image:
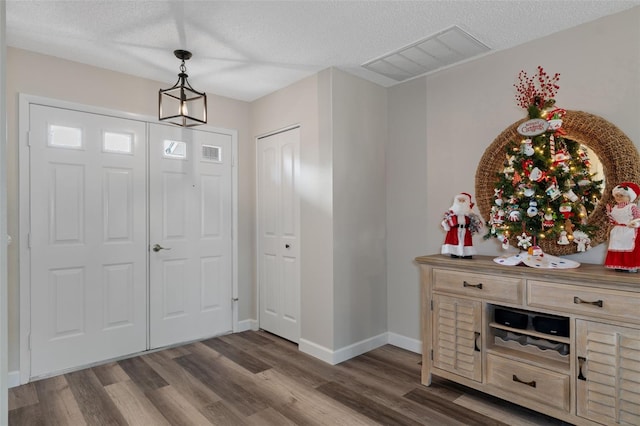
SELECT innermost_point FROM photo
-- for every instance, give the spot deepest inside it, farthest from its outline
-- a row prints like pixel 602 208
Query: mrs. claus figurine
pixel 460 223
pixel 624 240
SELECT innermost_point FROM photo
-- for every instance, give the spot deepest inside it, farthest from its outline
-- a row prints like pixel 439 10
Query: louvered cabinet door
pixel 608 385
pixel 456 336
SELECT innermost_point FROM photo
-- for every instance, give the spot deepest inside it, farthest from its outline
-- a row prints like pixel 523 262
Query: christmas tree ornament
pixel 571 196
pixel 548 220
pixel 524 241
pixel 514 214
pixel 553 192
pixel 498 217
pixel 568 226
pixel 497 195
pixel 536 175
pixel 565 210
pixel 504 241
pixel 555 118
pixel 533 208
pixel 535 250
pixel 582 214
pixel 563 240
pixel 527 147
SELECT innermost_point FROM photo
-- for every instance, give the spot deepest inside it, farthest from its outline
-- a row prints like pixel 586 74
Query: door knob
pixel 287 246
pixel 158 247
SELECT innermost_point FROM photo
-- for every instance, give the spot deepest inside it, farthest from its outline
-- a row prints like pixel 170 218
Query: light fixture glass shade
pixel 181 104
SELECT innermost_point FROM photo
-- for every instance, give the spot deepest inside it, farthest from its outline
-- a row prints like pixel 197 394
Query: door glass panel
pixel 174 149
pixel 65 137
pixel 121 143
pixel 211 153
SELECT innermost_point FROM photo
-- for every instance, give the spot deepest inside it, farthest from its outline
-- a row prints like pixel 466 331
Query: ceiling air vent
pixel 437 51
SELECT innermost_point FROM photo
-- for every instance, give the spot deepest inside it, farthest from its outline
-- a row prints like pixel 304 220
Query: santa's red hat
pixel 628 188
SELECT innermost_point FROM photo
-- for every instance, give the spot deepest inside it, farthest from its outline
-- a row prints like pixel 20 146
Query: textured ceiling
pixel 247 49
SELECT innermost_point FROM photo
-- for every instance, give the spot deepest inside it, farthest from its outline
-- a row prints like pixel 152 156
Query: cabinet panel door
pixel 608 386
pixel 456 336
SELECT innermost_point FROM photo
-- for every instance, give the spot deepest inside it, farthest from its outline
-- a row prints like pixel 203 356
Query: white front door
pixel 88 238
pixel 278 230
pixel 190 235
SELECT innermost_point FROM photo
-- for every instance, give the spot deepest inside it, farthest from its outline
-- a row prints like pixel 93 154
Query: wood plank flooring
pixel 255 378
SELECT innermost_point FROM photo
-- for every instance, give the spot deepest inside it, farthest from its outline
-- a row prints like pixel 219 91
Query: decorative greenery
pixel 546 189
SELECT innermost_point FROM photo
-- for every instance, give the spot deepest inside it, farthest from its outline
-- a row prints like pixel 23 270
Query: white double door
pixel 98 289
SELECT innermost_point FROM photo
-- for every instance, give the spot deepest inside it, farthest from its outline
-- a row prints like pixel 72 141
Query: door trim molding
pixel 24 226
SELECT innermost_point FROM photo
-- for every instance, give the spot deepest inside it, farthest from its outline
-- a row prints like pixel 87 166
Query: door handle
pixel 287 246
pixel 158 247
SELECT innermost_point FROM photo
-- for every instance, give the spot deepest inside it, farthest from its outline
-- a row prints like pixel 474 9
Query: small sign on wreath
pixel 533 127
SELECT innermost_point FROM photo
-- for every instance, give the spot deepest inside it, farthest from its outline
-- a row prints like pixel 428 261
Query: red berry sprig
pixel 537 89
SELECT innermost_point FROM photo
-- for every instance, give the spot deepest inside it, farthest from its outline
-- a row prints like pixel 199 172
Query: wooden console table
pixel 587 375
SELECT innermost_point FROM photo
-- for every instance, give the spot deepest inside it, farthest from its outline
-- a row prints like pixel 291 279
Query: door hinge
pixel 29 240
pixel 432 304
pixel 431 354
pixel 28 138
pixel 29 341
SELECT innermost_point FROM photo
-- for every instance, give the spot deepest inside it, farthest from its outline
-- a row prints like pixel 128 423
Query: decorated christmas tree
pixel 546 189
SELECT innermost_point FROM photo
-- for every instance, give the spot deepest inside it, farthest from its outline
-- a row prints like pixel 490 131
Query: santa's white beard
pixel 460 208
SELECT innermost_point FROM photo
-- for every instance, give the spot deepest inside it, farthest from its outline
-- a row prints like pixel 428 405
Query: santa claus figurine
pixel 623 253
pixel 460 223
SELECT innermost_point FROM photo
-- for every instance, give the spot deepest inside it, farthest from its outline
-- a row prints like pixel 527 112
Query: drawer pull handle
pixel 581 361
pixel 478 286
pixel 476 347
pixel 578 301
pixel 531 383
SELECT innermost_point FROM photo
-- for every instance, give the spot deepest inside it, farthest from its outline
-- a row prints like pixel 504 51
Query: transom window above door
pixel 174 149
pixel 64 137
pixel 117 143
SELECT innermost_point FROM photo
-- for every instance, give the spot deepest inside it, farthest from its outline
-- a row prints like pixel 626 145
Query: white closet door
pixel 190 221
pixel 88 238
pixel 279 228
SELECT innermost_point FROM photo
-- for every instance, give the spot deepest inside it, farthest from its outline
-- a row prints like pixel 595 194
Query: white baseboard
pixel 316 351
pixel 343 354
pixel 246 325
pixel 13 379
pixel 404 342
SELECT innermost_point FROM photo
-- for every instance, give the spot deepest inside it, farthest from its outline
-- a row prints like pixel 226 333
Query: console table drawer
pixel 529 382
pixel 488 287
pixel 592 301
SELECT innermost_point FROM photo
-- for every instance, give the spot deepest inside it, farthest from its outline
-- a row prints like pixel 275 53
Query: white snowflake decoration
pixel 524 241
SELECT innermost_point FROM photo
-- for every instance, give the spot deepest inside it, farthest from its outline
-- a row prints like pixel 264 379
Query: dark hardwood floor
pixel 255 378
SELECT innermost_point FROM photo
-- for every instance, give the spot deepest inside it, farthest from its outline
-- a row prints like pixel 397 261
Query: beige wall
pixel 359 128
pixel 342 161
pixel 406 204
pixel 50 77
pixel 467 106
pixel 305 103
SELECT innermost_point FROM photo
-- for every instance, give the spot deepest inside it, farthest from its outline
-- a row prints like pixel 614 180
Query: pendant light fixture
pixel 181 104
